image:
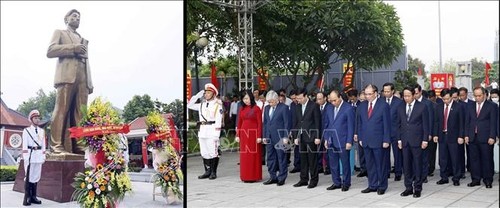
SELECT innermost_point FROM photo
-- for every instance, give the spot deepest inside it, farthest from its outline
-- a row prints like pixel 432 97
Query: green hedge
pixel 8 173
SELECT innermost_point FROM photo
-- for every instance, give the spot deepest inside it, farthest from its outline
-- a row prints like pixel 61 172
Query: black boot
pixel 215 163
pixel 34 200
pixel 207 166
pixel 27 197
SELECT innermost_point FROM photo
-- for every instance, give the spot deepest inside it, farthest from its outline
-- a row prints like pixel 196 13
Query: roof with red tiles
pixel 11 117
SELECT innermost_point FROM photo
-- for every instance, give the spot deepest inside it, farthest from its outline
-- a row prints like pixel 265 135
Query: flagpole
pixel 440 55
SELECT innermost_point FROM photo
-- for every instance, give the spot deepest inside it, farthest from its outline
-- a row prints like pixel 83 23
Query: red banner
pixel 320 83
pixel 159 136
pixel 441 81
pixel 262 82
pixel 175 141
pixel 215 82
pixel 78 132
pixel 349 74
pixel 486 74
pixel 188 82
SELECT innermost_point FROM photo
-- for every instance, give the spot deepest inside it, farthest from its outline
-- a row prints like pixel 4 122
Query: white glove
pixel 237 139
pixel 200 93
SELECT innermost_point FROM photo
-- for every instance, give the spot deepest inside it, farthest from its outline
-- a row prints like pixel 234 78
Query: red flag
pixel 215 82
pixel 486 74
pixel 419 71
pixel 320 83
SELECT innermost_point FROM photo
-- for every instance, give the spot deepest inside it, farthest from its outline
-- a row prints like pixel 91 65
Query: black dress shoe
pixel 299 184
pixel 472 184
pixel 270 181
pixel 488 185
pixel 441 182
pixel 431 174
pixel 321 170
pixel 333 187
pixel 381 192
pixel 368 190
pixel 407 193
pixel 397 178
pixel 425 180
pixel 280 183
pixel 327 172
pixel 416 194
pixel 456 183
pixel 362 174
pixel 393 170
pixel 356 168
pixel 295 170
pixel 345 188
pixel 312 185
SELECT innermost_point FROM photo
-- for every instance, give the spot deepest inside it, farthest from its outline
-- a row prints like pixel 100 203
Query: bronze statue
pixel 72 81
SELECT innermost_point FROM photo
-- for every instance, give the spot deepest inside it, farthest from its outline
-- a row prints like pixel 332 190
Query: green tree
pixel 137 107
pixel 478 70
pixel 414 64
pixel 176 108
pixel 301 36
pixel 211 21
pixel 42 102
pixel 449 66
pixel 404 78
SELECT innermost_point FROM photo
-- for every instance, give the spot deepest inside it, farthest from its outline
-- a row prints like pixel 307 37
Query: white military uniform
pixel 209 133
pixel 37 151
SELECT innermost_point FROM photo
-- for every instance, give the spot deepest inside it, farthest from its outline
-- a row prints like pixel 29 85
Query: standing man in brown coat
pixel 72 81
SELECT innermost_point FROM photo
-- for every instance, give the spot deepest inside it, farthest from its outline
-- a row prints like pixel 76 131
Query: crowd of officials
pixel 321 132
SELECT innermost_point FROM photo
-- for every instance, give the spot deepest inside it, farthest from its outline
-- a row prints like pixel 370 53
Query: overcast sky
pixel 467 29
pixel 135 48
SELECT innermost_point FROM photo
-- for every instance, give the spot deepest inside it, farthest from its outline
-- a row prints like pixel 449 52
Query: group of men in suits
pixel 414 126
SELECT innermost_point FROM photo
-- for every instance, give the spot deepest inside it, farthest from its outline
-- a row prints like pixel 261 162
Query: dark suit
pixel 429 154
pixel 397 153
pixel 296 154
pixel 412 132
pixel 372 132
pixel 339 130
pixel 480 151
pixel 276 128
pixel 359 149
pixel 448 140
pixel 322 153
pixel 463 150
pixel 306 127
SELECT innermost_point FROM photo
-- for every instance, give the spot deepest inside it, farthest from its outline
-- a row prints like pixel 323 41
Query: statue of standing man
pixel 72 82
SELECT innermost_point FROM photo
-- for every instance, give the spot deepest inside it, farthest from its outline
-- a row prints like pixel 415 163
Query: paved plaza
pixel 141 197
pixel 229 191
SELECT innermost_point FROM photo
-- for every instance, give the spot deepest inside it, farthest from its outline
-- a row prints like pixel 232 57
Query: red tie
pixel 445 121
pixel 370 110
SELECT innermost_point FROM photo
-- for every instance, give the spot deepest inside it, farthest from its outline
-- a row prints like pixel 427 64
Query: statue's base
pixel 64 157
pixel 57 177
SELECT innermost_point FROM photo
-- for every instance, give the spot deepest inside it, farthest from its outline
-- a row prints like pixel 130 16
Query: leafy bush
pixel 8 173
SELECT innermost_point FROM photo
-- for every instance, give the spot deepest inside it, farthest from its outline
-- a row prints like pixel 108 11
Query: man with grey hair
pixel 276 126
pixel 72 82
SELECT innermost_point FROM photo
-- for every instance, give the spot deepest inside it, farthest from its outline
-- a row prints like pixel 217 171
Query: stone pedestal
pixel 56 180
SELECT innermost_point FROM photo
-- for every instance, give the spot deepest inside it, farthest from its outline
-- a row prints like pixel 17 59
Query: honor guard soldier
pixel 34 157
pixel 210 111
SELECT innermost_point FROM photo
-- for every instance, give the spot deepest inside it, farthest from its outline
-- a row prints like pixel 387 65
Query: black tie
pixel 36 130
